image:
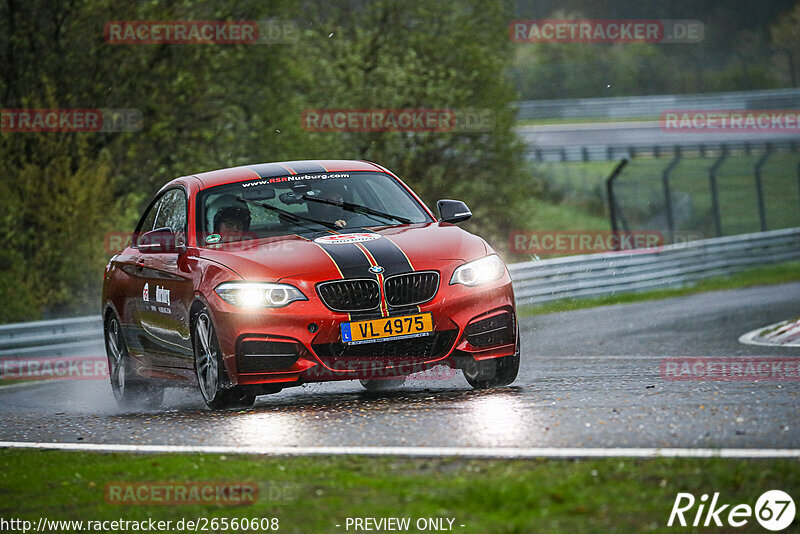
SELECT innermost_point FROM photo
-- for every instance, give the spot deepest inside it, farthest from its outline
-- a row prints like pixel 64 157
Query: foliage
pixel 59 207
pixel 736 52
pixel 213 106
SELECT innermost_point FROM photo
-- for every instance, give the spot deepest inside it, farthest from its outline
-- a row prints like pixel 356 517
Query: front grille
pixel 254 356
pixel 350 295
pixel 411 288
pixel 432 346
pixel 495 330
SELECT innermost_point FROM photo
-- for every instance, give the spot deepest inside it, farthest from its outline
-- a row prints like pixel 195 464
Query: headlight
pixel 259 294
pixel 479 272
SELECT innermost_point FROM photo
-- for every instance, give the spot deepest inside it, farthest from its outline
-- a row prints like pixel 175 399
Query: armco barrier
pixel 57 337
pixel 652 106
pixel 591 275
pixel 596 275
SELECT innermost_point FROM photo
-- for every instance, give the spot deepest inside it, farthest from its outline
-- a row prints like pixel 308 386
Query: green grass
pixel 7 382
pixel 640 196
pixel 546 216
pixel 313 494
pixel 772 274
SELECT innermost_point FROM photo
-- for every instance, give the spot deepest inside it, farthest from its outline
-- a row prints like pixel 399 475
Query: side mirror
pixel 453 211
pixel 160 240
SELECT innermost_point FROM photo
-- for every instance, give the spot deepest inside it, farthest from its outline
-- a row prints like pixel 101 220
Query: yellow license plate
pixel 408 326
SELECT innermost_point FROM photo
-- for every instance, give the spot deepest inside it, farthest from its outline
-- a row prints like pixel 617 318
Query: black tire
pixel 215 387
pixel 493 373
pixel 129 392
pixel 382 384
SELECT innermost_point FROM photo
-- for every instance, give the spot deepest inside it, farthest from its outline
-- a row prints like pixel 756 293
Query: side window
pixel 173 212
pixel 149 219
pixel 169 210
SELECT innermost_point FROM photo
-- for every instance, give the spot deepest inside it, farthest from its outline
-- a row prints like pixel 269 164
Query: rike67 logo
pixel 774 510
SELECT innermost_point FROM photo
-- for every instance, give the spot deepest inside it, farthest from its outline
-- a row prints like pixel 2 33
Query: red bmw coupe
pixel 247 280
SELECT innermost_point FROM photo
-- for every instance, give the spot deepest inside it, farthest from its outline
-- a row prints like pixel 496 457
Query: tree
pixel 785 35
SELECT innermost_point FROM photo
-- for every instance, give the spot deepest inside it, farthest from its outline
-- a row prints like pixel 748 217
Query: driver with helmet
pixel 231 218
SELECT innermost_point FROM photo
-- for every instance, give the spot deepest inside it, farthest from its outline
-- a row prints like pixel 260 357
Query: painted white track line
pixel 469 452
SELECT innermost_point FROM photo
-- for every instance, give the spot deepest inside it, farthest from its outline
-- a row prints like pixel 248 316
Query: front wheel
pixel 128 392
pixel 215 387
pixel 493 373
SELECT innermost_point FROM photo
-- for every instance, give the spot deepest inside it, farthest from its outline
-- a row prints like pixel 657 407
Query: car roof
pixel 282 168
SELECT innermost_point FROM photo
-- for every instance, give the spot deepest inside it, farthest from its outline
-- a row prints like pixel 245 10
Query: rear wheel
pixel 382 384
pixel 493 373
pixel 216 389
pixel 128 391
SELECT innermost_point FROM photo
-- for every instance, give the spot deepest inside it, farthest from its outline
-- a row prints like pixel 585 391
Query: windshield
pixel 304 204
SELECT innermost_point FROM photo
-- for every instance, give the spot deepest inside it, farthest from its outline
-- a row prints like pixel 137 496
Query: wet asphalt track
pixel 589 378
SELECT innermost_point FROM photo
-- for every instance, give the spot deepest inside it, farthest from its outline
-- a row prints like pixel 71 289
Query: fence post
pixel 612 204
pixel 762 215
pixel 712 180
pixel 668 195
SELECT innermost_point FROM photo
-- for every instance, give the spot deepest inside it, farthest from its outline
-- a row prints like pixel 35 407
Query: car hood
pixel 358 253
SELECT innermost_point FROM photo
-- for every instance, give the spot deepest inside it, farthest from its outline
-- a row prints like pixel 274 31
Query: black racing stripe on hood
pixel 303 167
pixel 350 260
pixel 268 170
pixel 389 256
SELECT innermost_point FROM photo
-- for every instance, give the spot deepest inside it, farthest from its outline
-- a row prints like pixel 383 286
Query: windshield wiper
pixel 358 208
pixel 293 217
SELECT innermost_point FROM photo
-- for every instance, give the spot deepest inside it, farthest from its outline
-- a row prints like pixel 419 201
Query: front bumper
pixel 301 342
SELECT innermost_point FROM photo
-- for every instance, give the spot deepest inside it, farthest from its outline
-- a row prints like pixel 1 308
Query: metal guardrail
pixel 596 275
pixel 652 106
pixel 590 275
pixel 56 337
pixel 612 152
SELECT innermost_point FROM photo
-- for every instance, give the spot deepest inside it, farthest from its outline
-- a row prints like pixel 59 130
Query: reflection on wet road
pixel 588 378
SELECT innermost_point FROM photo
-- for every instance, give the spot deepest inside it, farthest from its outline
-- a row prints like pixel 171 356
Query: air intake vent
pixel 496 330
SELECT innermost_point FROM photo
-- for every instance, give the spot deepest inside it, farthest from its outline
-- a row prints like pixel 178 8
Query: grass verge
pixel 314 494
pixel 771 274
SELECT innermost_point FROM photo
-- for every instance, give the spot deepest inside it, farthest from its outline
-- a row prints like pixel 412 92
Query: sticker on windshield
pixel 340 239
pixel 303 177
pixel 296 178
pixel 213 238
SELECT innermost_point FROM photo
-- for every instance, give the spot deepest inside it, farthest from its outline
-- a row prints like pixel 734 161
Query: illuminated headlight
pixel 479 272
pixel 259 294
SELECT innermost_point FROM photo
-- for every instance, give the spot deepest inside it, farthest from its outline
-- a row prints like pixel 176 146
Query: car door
pixel 168 290
pixel 129 263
